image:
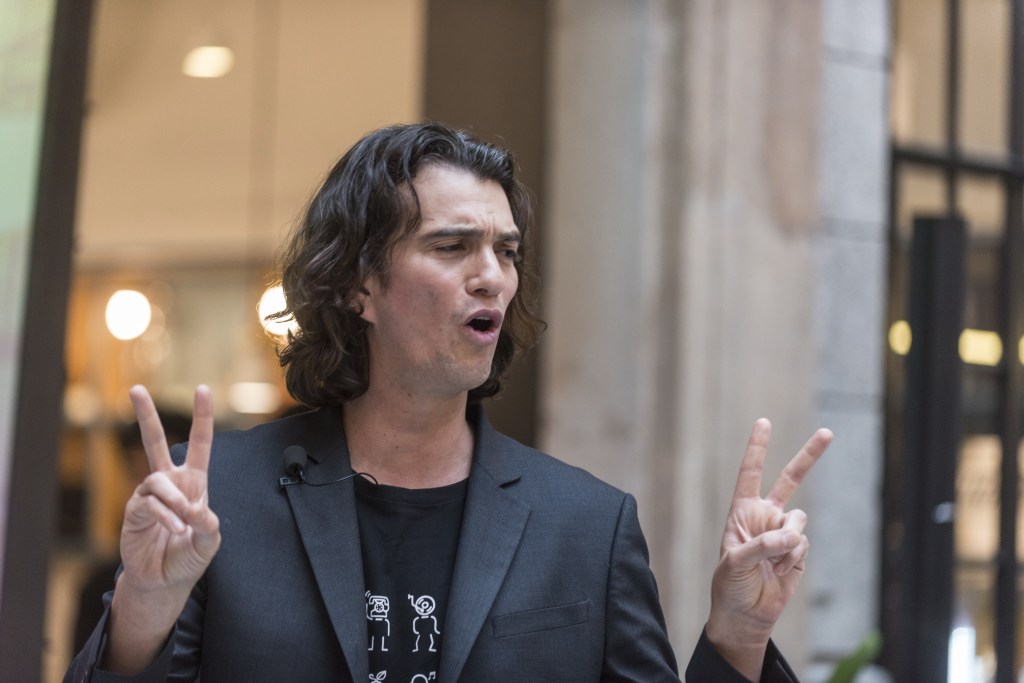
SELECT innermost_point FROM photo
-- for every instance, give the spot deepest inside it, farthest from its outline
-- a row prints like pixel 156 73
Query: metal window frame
pixel 897 600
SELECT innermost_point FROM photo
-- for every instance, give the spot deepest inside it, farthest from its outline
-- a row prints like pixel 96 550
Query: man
pixel 461 555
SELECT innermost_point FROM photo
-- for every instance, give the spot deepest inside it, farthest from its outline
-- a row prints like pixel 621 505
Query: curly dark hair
pixel 364 207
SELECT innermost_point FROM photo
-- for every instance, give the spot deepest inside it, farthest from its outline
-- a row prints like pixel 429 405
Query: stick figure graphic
pixel 426 622
pixel 377 608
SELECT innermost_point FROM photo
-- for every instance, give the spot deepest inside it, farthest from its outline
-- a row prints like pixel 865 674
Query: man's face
pixel 434 327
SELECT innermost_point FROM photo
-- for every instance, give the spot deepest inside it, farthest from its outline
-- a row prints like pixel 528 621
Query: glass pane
pixel 982 203
pixel 921 192
pixel 919 72
pixel 976 533
pixel 984 75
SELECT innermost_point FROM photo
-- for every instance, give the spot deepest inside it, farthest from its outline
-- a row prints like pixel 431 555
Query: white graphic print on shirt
pixel 377 608
pixel 425 622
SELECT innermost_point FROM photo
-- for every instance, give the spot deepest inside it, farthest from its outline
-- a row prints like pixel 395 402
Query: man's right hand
pixel 168 539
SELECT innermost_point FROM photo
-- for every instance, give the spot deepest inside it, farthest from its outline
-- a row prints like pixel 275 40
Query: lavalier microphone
pixel 295 459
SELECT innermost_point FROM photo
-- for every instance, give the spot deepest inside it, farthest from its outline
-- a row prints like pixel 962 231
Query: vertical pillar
pixel 683 212
pixel 850 263
pixel 933 434
pixel 609 360
pixel 31 501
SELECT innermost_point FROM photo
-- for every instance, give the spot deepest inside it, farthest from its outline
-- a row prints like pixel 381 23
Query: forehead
pixel 453 196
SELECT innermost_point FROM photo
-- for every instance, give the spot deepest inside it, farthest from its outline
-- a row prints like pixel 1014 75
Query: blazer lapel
pixel 492 527
pixel 326 518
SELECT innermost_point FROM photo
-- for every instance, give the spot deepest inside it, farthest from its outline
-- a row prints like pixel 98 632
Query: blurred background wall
pixel 727 198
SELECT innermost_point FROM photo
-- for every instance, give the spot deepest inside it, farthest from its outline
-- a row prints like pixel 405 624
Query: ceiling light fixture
pixel 208 61
pixel 128 314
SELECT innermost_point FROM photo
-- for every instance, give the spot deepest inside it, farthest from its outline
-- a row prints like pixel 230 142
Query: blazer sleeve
pixel 707 665
pixel 85 666
pixel 178 661
pixel 636 641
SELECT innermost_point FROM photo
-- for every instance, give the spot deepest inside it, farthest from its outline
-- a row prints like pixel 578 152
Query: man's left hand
pixel 762 555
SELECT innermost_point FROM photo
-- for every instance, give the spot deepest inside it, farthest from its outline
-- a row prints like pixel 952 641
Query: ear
pixel 364 299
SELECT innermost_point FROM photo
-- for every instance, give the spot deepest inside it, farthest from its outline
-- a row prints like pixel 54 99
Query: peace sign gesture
pixel 168 538
pixel 762 555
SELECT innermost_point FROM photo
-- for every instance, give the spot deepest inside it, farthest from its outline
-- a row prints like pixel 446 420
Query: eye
pixel 451 248
pixel 510 254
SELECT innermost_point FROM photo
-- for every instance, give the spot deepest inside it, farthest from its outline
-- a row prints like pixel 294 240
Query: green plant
pixel 865 653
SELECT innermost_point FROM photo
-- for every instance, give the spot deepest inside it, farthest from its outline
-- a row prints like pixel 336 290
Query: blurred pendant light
pixel 128 314
pixel 208 61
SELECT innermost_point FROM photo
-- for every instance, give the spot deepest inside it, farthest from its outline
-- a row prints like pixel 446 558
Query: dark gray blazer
pixel 551 581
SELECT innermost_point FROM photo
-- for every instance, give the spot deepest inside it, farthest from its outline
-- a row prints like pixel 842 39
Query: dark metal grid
pixel 1012 327
pixel 955 163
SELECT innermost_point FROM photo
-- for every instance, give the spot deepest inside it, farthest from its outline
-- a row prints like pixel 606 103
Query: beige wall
pixel 689 285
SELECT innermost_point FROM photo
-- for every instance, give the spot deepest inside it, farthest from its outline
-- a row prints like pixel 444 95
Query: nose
pixel 490 278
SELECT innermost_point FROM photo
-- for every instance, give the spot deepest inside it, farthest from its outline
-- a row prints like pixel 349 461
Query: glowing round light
pixel 900 337
pixel 981 347
pixel 209 61
pixel 272 302
pixel 128 314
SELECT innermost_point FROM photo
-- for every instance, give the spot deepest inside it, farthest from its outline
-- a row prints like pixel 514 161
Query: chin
pixel 478 380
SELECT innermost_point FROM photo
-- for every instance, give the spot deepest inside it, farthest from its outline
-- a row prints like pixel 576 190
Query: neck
pixel 409 443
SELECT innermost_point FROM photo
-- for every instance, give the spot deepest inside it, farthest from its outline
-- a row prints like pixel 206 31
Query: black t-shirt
pixel 409 539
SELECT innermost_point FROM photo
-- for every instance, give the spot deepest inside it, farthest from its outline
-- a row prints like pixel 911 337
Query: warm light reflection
pixel 272 302
pixel 962 660
pixel 254 398
pixel 208 61
pixel 128 314
pixel 900 337
pixel 980 347
pixel 82 404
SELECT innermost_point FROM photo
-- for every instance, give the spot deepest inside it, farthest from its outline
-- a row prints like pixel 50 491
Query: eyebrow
pixel 457 231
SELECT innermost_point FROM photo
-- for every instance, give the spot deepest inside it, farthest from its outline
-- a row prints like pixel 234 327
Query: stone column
pixel 609 355
pixel 750 221
pixel 692 280
pixel 844 575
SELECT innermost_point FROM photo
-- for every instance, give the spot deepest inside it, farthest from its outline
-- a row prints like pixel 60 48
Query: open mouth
pixel 482 324
pixel 485 321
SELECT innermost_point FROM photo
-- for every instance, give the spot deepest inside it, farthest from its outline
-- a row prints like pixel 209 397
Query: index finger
pixel 797 468
pixel 153 440
pixel 200 436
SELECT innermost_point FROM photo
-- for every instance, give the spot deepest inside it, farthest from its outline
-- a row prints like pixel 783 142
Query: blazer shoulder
pixel 543 475
pixel 263 441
